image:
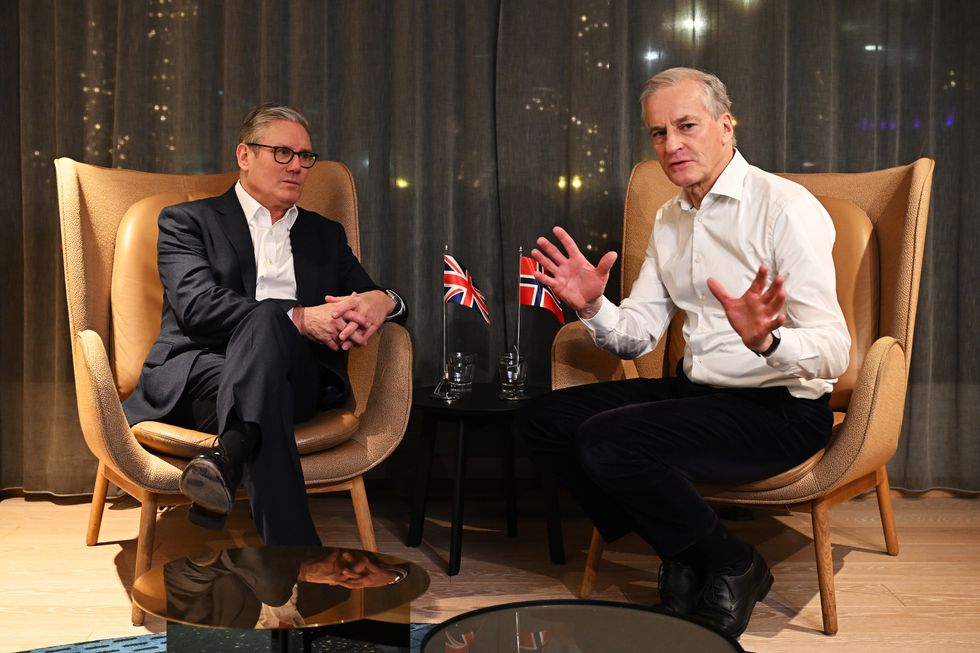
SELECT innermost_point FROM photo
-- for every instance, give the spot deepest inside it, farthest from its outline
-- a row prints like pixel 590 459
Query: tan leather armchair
pixel 109 233
pixel 880 219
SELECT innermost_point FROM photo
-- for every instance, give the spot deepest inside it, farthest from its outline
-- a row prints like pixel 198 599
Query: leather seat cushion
pixel 324 431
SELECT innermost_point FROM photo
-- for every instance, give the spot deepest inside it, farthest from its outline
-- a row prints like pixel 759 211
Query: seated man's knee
pixel 599 446
pixel 267 316
pixel 542 424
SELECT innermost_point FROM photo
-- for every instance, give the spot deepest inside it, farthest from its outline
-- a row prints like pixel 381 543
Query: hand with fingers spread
pixel 577 282
pixel 756 314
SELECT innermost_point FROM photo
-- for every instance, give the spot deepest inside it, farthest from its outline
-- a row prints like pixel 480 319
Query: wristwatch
pixel 399 305
pixel 772 347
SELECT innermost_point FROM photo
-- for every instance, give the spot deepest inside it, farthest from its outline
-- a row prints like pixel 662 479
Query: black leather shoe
pixel 727 601
pixel 210 481
pixel 680 587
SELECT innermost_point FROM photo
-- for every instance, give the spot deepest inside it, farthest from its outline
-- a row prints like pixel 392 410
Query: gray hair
pixel 713 91
pixel 260 117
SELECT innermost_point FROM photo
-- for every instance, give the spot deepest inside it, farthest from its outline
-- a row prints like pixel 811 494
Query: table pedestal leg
pixel 456 534
pixel 556 544
pixel 509 481
pixel 427 449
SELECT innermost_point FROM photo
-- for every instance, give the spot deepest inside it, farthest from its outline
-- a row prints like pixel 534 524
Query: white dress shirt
pixel 749 217
pixel 275 276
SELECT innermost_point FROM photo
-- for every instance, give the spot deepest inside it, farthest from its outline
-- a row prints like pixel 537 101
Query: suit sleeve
pixel 205 309
pixel 353 274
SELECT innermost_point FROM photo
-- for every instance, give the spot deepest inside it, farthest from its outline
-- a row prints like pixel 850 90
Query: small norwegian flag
pixel 459 287
pixel 534 293
pixel 533 640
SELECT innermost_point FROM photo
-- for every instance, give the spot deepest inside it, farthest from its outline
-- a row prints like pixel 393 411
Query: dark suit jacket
pixel 207 266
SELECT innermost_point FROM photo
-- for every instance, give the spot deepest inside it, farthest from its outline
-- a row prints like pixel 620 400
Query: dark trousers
pixel 631 451
pixel 268 376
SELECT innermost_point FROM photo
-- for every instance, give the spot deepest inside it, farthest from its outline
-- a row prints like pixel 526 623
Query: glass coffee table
pixel 570 626
pixel 282 598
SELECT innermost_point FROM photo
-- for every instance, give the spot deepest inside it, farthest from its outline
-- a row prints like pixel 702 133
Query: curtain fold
pixel 480 125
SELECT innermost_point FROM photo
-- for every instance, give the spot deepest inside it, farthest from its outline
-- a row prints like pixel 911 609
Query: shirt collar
pixel 729 182
pixel 257 215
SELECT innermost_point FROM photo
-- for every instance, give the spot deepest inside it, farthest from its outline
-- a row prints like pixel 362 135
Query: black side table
pixel 482 404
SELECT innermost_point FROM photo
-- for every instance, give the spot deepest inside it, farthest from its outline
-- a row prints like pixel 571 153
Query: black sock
pixel 722 553
pixel 240 440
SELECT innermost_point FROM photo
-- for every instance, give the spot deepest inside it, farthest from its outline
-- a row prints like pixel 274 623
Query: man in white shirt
pixel 751 397
pixel 262 300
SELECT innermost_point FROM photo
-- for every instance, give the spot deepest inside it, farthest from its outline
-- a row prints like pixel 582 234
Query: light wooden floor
pixel 55 590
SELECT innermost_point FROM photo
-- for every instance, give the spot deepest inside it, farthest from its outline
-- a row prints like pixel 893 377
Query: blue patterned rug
pixel 157 643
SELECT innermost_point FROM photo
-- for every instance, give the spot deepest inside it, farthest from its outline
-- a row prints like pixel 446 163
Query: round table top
pixel 481 400
pixel 278 587
pixel 571 625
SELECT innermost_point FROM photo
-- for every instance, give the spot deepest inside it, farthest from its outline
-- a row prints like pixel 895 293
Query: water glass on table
pixel 461 366
pixel 513 376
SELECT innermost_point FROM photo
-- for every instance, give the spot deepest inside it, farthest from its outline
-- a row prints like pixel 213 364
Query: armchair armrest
pixel 576 360
pixel 104 424
pixel 869 434
pixel 381 383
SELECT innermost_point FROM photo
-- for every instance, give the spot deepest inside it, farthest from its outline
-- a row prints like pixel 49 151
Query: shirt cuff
pixel 787 354
pixel 605 319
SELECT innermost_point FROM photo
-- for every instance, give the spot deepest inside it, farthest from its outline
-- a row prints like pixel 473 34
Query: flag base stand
pixel 444 392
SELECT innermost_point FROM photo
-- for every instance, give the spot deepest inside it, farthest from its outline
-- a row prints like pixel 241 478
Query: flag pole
pixel 520 255
pixel 445 370
pixel 441 390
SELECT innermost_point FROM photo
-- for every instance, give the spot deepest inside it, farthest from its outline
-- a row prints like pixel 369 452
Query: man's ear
pixel 241 155
pixel 728 125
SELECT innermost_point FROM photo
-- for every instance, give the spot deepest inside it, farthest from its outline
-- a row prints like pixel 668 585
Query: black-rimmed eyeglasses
pixel 284 155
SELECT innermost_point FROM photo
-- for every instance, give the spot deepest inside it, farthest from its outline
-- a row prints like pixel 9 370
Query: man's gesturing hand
pixel 754 315
pixel 576 281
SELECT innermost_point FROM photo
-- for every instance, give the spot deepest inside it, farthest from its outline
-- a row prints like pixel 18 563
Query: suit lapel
pixel 235 227
pixel 303 239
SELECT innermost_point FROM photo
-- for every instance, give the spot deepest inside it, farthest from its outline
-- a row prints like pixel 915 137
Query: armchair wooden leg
pixel 820 516
pixel 144 546
pixel 362 513
pixel 591 565
pixel 883 490
pixel 98 505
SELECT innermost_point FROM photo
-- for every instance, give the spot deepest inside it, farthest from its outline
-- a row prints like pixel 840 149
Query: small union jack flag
pixel 537 294
pixel 459 642
pixel 459 287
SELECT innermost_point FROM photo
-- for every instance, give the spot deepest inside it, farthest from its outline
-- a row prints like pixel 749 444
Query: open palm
pixel 756 314
pixel 578 283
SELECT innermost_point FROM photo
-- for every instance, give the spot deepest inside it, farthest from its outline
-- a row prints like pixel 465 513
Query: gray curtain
pixel 479 125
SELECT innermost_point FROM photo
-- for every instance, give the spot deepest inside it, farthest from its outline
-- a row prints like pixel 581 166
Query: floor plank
pixel 54 590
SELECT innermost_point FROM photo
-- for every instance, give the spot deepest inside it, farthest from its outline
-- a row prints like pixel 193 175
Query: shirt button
pixel 697 259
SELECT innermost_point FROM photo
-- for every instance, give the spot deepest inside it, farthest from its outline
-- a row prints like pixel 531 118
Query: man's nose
pixel 293 165
pixel 672 141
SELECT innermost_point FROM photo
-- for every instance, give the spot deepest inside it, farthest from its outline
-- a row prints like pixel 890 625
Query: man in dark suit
pixel 262 300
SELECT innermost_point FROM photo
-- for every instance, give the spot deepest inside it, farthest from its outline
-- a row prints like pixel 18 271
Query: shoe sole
pixel 205 518
pixel 203 483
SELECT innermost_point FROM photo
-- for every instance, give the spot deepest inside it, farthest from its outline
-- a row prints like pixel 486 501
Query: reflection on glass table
pixel 282 588
pixel 569 626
